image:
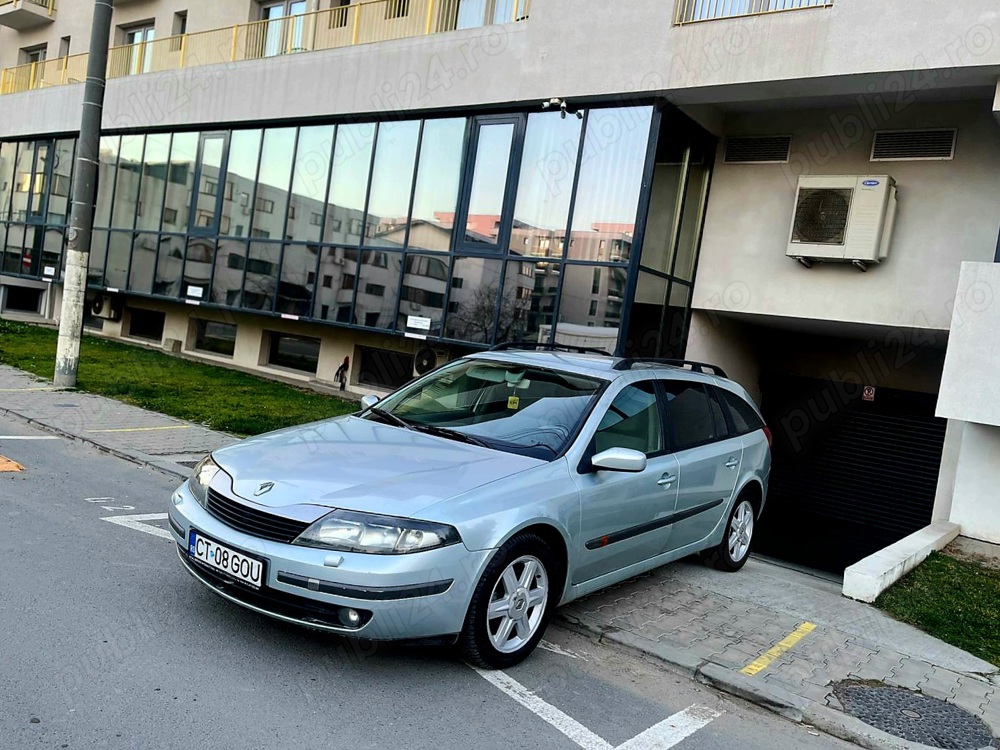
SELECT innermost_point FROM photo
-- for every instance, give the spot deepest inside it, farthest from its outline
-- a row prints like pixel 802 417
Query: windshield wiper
pixel 448 433
pixel 390 417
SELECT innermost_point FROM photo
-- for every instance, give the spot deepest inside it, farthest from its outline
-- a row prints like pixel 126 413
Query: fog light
pixel 350 617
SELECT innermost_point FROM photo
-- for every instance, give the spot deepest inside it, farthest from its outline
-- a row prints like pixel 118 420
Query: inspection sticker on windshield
pixel 238 565
pixel 513 402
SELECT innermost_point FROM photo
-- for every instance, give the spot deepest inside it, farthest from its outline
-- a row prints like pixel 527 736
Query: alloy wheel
pixel 517 604
pixel 741 531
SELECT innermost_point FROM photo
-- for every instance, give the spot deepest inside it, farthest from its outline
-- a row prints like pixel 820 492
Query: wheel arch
pixel 556 539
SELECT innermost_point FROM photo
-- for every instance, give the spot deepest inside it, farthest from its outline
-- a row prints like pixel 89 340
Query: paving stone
pixel 733 657
pixel 792 670
pixel 712 643
pixel 939 683
pixel 802 689
pixel 990 711
pixel 878 667
pixel 971 694
pixel 909 674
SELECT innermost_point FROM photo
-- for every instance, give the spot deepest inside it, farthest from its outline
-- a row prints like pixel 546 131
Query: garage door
pixel 853 471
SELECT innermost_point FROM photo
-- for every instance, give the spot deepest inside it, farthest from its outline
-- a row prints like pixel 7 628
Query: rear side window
pixel 744 416
pixel 690 420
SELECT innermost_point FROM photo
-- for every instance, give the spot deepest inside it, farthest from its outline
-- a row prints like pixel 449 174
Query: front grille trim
pixel 253 521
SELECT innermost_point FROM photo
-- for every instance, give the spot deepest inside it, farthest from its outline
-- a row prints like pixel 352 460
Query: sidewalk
pixel 142 436
pixel 776 637
pixel 730 631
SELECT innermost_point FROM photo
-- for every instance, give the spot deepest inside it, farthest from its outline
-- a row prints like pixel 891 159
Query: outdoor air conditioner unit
pixel 847 219
pixel 107 307
pixel 427 359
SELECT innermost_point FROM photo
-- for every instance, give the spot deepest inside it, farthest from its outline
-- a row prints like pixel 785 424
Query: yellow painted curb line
pixel 769 656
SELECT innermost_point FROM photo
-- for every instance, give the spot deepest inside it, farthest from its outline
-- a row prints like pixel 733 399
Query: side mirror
pixel 367 402
pixel 619 459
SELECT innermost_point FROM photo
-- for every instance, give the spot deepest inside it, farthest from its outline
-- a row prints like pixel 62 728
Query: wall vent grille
pixel 758 149
pixel 914 145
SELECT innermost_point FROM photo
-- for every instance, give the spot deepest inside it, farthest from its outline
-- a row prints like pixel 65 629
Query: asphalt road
pixel 108 643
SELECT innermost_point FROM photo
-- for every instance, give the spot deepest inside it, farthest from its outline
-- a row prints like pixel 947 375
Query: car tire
pixel 734 550
pixel 483 641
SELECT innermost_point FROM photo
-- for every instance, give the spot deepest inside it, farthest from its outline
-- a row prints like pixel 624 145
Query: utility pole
pixel 81 225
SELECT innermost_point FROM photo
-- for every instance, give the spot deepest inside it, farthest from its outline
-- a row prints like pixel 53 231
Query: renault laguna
pixel 471 502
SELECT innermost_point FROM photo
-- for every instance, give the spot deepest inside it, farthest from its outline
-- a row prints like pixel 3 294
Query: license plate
pixel 236 565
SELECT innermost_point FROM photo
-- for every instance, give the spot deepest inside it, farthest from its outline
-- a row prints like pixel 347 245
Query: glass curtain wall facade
pixel 474 230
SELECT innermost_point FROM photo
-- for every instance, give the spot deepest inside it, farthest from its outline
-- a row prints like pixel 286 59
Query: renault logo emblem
pixel 264 489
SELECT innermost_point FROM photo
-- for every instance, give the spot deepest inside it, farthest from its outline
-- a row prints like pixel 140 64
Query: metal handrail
pixel 364 22
pixel 697 11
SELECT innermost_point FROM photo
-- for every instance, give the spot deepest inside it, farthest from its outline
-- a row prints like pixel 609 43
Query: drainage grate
pixel 914 717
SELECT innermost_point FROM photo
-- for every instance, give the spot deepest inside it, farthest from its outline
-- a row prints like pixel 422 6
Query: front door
pixel 708 459
pixel 36 184
pixel 625 517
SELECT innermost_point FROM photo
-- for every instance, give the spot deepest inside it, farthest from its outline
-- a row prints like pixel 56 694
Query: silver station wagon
pixel 471 502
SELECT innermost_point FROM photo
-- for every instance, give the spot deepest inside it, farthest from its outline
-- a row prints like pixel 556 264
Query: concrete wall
pixel 947 214
pixel 976 503
pixel 848 48
pixel 970 388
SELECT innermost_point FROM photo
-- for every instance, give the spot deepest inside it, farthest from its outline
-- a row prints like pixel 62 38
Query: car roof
pixel 594 365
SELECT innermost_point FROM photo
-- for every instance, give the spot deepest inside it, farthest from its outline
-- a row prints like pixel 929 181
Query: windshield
pixel 531 411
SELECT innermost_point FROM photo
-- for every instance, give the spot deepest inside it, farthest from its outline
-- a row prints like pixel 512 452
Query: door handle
pixel 666 480
pixel 732 463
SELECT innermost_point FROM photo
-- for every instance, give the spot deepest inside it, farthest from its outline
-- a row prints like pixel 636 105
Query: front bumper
pixel 400 597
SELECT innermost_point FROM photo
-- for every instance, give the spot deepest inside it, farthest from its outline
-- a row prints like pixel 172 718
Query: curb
pixel 164 467
pixel 794 707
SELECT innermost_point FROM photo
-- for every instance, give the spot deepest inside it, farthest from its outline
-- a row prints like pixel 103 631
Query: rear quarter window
pixel 744 416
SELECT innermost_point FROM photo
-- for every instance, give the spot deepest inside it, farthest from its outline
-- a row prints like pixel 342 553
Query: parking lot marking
pixel 25 390
pixel 146 429
pixel 767 658
pixel 29 437
pixel 136 523
pixel 557 649
pixel 9 467
pixel 674 730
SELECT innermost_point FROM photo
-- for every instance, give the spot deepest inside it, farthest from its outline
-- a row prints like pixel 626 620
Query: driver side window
pixel 632 421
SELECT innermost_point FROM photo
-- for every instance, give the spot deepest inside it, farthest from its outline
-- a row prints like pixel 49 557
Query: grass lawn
pixel 954 600
pixel 213 396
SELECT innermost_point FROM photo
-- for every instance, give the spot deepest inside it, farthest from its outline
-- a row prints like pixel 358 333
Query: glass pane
pixel 335 284
pixel 661 225
pixel 633 422
pixel 690 230
pixel 472 307
pixel 614 157
pixel 8 155
pixel 23 182
pixel 312 167
pixel 351 167
pixel 438 176
pixel 210 179
pixel 14 248
pixel 169 266
pixel 127 190
pixel 119 252
pixel 106 179
pixel 675 321
pixel 529 296
pixel 272 185
pixel 230 263
pixel 378 289
pixel 261 276
pixel 244 153
pixel 98 255
pixel 180 182
pixel 503 11
pixel 545 186
pixel 425 281
pixel 471 13
pixel 198 268
pixel 34 236
pixel 590 310
pixel 154 183
pixel 298 279
pixel 39 192
pixel 143 262
pixel 52 252
pixel 60 187
pixel 392 178
pixel 489 184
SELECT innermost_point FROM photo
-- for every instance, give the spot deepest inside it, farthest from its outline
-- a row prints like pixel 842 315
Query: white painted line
pixel 674 730
pixel 29 437
pixel 565 724
pixel 557 649
pixel 135 523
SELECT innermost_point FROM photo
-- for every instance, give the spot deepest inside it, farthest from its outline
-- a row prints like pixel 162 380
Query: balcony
pixel 365 22
pixel 26 14
pixel 694 11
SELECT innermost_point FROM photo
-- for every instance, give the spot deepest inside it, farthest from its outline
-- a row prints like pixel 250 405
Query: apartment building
pixel 802 191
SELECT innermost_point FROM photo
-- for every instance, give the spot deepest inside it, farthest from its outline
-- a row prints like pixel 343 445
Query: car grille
pixel 252 521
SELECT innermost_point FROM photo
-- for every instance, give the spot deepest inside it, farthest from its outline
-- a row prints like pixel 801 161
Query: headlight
pixel 349 531
pixel 203 474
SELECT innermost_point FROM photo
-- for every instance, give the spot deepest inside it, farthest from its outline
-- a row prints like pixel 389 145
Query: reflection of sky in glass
pixel 351 162
pixel 492 160
pixel 312 161
pixel 440 168
pixel 546 183
pixel 131 148
pixel 244 148
pixel 614 156
pixel 185 148
pixel 392 177
pixel 276 158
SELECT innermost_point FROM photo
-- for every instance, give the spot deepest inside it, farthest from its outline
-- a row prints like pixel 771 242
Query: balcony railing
pixel 359 23
pixel 49 5
pixel 693 11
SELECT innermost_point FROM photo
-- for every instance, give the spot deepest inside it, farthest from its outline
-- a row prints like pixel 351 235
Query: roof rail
pixel 538 345
pixel 702 367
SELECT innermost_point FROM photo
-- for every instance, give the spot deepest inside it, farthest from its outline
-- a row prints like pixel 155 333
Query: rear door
pixel 708 457
pixel 625 517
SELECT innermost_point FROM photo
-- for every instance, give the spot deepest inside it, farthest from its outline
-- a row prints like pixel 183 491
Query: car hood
pixel 360 464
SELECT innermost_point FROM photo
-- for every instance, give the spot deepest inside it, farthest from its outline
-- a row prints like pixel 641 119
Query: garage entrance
pixel 854 470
